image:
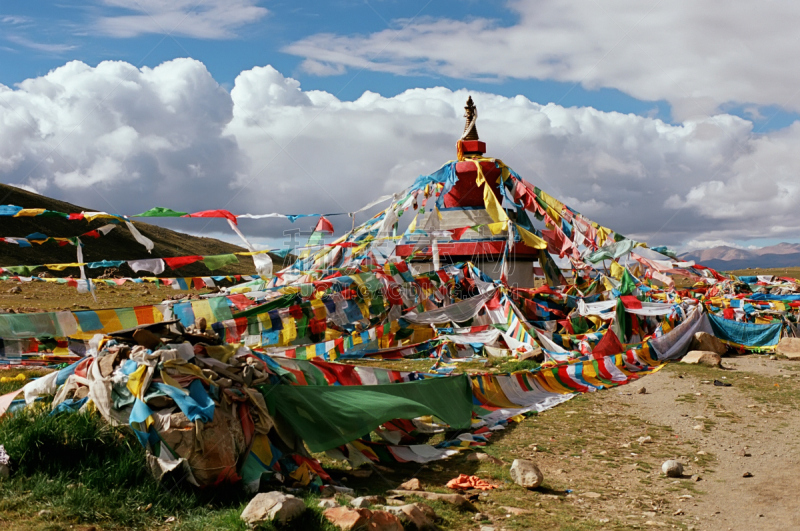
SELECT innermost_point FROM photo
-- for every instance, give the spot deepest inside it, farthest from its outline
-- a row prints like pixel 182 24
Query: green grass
pixel 80 470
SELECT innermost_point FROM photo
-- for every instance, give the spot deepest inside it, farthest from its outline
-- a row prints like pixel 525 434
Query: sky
pixel 671 122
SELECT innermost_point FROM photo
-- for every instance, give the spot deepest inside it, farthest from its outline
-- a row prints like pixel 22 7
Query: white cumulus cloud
pixel 118 138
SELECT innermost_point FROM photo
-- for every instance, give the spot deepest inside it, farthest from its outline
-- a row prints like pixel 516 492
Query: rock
pixel 516 511
pixel 456 499
pixel 361 473
pixel 480 517
pixel 362 502
pixel 702 357
pixel 346 518
pixel 4 471
pixel 747 475
pixel 645 440
pixel 411 515
pixel 44 513
pixel 642 391
pixel 272 506
pixel 327 503
pixel 789 347
pixel 15 289
pixel 672 468
pixel 708 343
pixel 411 484
pixel 591 495
pixel 526 473
pixel 383 521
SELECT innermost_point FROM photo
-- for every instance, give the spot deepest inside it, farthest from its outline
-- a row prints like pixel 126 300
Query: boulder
pixel 707 342
pixel 272 506
pixel 702 357
pixel 526 473
pixel 672 468
pixel 789 347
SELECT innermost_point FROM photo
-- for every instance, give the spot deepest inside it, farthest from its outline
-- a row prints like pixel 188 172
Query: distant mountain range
pixel 727 258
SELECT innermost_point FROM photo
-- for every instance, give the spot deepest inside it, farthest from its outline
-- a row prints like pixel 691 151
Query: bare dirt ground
pixel 751 428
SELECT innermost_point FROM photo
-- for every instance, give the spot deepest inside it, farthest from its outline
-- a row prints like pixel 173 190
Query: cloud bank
pixel 118 138
pixel 692 54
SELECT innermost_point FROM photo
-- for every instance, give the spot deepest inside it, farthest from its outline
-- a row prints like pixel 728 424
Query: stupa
pixel 464 206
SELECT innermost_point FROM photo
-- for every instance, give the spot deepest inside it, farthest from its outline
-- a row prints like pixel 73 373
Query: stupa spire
pixel 471 114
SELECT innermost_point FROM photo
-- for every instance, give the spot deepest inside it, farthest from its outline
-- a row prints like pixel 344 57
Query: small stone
pixel 645 440
pixel 701 452
pixel 678 512
pixel 516 511
pixel 526 473
pixel 456 499
pixel 44 513
pixel 272 506
pixel 411 484
pixel 362 502
pixel 365 473
pixel 327 503
pixel 698 427
pixel 480 517
pixel 744 453
pixel 702 357
pixel 412 515
pixel 747 475
pixel 15 289
pixel 642 391
pixel 696 478
pixel 672 468
pixel 384 521
pixel 346 518
pixel 591 495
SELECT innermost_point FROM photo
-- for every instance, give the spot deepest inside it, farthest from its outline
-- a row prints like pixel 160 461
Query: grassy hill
pixel 119 244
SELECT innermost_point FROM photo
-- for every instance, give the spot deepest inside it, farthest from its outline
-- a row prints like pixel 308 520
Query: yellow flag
pixel 617 270
pixel 530 239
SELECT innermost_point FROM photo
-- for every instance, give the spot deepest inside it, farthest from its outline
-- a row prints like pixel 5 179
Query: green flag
pixel 160 212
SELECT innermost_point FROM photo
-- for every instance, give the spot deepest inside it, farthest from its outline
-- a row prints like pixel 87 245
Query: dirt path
pixel 751 427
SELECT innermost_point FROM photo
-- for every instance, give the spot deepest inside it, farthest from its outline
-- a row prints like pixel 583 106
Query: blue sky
pixel 39 36
pixel 271 99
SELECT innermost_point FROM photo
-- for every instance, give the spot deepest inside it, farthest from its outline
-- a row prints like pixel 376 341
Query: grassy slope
pixel 117 245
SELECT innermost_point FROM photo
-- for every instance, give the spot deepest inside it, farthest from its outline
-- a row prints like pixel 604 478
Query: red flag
pixel 213 214
pixel 607 346
pixel 459 232
pixel 324 225
pixel 179 261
